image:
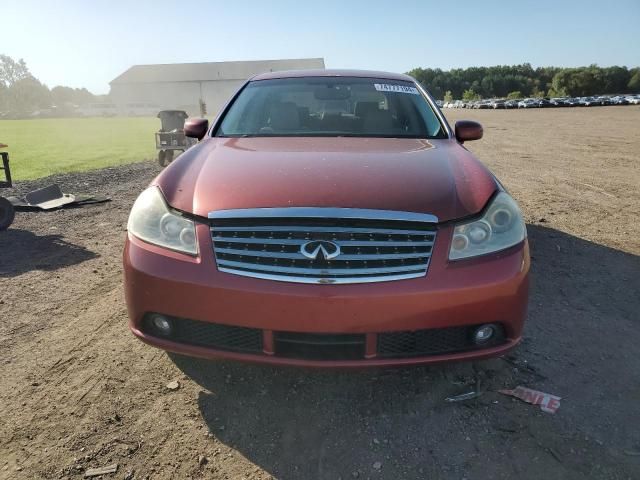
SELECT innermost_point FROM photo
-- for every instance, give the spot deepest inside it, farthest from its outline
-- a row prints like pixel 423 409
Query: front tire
pixel 7 213
pixel 161 158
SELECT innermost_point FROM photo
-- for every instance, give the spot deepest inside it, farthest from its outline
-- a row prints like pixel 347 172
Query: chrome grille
pixel 373 245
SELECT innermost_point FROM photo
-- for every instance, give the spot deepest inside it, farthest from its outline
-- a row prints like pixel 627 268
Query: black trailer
pixel 7 212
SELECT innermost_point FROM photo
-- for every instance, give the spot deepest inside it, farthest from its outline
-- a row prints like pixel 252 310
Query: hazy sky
pixel 88 43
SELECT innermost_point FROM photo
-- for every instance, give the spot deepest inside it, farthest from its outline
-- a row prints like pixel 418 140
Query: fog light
pixel 484 333
pixel 161 324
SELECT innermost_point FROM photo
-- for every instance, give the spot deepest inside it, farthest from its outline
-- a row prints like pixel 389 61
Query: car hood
pixel 439 177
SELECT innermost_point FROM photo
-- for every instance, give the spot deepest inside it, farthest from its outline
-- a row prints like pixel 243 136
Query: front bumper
pixel 489 289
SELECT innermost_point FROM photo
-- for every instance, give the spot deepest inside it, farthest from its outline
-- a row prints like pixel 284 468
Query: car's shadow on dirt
pixel 299 423
pixel 395 423
pixel 22 251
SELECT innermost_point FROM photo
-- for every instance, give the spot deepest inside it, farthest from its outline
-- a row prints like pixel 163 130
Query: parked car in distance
pixel 483 104
pixel 328 218
pixel 572 102
pixel 619 100
pixel 589 102
pixel 547 102
pixel 528 103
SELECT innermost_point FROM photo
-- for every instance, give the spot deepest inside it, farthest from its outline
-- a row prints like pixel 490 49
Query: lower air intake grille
pixel 432 342
pixel 315 346
pixel 221 337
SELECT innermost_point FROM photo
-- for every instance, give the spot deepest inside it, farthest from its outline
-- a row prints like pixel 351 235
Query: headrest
pixel 365 108
pixel 284 116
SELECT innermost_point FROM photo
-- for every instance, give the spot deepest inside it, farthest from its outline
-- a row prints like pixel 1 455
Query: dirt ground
pixel 78 391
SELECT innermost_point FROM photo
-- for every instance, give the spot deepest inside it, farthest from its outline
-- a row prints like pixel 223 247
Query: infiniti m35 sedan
pixel 328 218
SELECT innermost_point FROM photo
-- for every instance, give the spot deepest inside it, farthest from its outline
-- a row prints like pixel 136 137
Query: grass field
pixel 43 147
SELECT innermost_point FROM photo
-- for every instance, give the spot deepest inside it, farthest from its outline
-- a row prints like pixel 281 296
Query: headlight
pixel 151 220
pixel 501 227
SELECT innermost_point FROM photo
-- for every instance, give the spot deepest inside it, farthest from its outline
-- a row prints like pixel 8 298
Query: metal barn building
pixel 183 85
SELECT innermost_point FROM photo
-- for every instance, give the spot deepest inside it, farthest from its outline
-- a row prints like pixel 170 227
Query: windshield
pixel 327 106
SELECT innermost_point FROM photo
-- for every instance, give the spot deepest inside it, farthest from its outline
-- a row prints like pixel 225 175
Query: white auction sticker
pixel 383 87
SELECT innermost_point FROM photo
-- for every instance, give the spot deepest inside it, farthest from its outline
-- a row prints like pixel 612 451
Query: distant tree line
pixel 21 92
pixel 517 81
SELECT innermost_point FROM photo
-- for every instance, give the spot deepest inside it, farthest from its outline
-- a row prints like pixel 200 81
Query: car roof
pixel 332 73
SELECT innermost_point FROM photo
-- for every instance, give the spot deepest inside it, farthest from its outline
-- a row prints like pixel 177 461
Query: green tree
pixel 4 92
pixel 615 79
pixel 12 71
pixel 470 95
pixel 499 80
pixel 27 95
pixel 66 95
pixel 537 93
pixel 514 95
pixel 448 97
pixel 634 82
pixel 22 93
pixel 557 93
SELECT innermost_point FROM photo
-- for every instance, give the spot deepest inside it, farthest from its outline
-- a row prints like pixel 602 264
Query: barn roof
pixel 196 72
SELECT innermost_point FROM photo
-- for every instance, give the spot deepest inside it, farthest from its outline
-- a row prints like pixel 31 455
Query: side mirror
pixel 466 130
pixel 196 127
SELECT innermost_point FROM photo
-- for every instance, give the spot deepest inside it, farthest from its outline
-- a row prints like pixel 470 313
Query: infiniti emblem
pixel 314 248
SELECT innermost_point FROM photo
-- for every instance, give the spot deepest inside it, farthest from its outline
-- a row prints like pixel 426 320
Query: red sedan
pixel 328 218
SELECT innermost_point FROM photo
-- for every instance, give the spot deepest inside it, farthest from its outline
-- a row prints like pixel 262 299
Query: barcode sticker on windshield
pixel 383 87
